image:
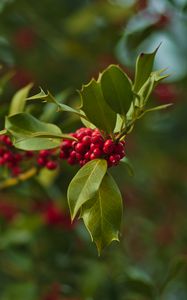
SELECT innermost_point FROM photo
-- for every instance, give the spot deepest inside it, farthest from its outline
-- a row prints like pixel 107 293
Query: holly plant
pixel 110 106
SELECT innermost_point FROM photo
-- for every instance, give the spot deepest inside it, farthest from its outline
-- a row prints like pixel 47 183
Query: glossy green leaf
pixel 95 107
pixel 85 184
pixel 102 215
pixel 144 66
pixel 31 134
pixel 18 101
pixel 117 89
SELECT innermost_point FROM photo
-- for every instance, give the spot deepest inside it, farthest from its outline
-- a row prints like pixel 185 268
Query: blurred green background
pixel 60 45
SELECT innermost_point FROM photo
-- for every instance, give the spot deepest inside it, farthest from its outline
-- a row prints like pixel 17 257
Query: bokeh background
pixel 60 45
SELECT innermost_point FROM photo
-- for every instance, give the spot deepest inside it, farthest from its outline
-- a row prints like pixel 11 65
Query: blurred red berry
pixel 166 93
pixel 24 39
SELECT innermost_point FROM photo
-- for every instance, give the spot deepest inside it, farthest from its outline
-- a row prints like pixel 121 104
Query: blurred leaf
pixel 31 134
pixel 144 66
pixel 140 282
pixel 15 237
pixel 20 291
pixel 93 278
pixel 18 102
pixel 85 184
pixel 102 214
pixel 117 89
pixel 95 107
pixel 177 265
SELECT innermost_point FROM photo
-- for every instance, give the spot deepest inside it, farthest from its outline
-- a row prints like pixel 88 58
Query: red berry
pixel 122 154
pixel 88 131
pixel 80 135
pixel 87 155
pixel 79 156
pixel 44 153
pixel 16 171
pixel 97 152
pixel 73 154
pixel 83 162
pixel 41 161
pixel 71 161
pixel 117 157
pixel 66 145
pixel 51 165
pixel 80 148
pixel 1 161
pixel 74 143
pixel 8 156
pixel 112 159
pixel 86 140
pixel 92 156
pixel 94 146
pixel 29 154
pixel 97 139
pixel 119 148
pixel 96 132
pixel 63 154
pixel 108 147
pixel 18 157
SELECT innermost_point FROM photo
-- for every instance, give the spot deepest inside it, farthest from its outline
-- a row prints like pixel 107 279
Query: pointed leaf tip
pixel 103 213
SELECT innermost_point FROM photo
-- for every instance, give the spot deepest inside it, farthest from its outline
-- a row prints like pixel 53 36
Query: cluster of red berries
pixel 10 158
pixel 90 145
pixel 48 159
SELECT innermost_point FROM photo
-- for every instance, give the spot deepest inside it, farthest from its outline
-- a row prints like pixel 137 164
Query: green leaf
pixel 18 101
pixel 144 66
pixel 31 134
pixel 50 99
pixel 117 89
pixel 87 123
pixel 85 184
pixel 102 215
pixel 95 107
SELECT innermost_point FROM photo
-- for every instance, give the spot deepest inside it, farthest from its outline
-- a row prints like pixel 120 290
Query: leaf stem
pixel 22 177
